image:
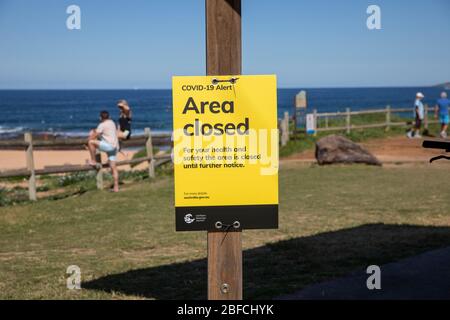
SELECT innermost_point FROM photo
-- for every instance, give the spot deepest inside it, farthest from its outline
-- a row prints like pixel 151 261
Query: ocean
pixel 74 112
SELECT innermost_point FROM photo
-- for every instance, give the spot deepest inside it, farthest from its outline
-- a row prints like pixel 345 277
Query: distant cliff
pixel 445 86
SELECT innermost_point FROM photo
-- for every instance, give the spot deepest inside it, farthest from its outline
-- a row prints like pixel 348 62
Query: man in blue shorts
pixel 441 109
pixel 104 138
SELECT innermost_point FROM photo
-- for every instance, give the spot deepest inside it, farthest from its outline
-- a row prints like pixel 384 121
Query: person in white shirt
pixel 104 138
pixel 419 114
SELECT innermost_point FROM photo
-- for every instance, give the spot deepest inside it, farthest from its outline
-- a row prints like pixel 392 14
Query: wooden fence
pixel 387 123
pixel 30 172
pixel 148 141
pixel 325 125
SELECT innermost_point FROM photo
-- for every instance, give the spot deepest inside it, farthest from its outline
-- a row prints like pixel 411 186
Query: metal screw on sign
pixel 224 288
pixel 217 81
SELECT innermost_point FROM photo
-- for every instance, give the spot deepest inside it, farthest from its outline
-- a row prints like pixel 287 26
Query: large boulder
pixel 337 149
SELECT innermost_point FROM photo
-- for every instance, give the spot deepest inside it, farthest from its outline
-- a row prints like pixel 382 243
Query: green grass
pixel 12 196
pixel 142 153
pixel 333 220
pixel 58 187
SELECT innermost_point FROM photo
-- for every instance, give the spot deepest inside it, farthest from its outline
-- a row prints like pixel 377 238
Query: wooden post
pixel 285 137
pixel 315 122
pixel 286 119
pixel 285 129
pixel 30 166
pixel 388 118
pixel 99 168
pixel 326 122
pixel 348 120
pixel 425 119
pixel 282 132
pixel 294 118
pixel 223 57
pixel 149 148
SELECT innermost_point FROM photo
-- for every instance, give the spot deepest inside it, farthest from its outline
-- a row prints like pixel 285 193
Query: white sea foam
pixel 7 130
pixel 13 131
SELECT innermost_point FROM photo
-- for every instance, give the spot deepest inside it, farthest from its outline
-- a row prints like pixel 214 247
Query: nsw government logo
pixel 189 218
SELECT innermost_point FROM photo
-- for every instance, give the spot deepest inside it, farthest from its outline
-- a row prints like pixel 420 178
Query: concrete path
pixel 426 276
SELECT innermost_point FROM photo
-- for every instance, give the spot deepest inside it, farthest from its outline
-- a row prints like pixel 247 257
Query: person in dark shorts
pixel 419 114
pixel 124 130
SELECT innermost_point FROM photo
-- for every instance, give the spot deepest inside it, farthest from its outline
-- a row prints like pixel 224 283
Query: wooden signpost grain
pixel 224 57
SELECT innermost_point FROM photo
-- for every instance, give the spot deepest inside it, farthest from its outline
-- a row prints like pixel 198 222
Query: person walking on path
pixel 104 138
pixel 441 109
pixel 419 113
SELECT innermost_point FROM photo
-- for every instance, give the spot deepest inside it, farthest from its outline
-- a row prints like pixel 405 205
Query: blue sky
pixel 142 43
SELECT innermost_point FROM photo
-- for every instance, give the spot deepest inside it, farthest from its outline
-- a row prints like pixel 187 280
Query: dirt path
pixel 387 150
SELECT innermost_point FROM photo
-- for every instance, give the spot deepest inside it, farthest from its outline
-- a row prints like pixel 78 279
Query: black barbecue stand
pixel 433 144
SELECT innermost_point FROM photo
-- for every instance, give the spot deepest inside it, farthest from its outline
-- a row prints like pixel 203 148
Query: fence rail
pixel 79 168
pixel 325 126
pixel 387 124
pixel 30 172
pixel 78 143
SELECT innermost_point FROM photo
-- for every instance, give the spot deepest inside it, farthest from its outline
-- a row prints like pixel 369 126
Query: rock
pixel 337 149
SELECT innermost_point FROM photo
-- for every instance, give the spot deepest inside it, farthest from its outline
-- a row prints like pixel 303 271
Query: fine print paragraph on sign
pixel 225 152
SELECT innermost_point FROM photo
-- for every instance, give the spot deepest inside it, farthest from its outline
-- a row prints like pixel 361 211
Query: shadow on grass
pixel 285 266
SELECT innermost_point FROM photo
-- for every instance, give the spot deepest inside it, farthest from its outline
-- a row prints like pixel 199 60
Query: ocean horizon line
pixel 166 89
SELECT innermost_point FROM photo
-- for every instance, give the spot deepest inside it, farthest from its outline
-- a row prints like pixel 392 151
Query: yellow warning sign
pixel 225 151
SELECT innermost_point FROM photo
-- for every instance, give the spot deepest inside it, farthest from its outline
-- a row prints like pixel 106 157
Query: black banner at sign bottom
pixel 261 309
pixel 226 217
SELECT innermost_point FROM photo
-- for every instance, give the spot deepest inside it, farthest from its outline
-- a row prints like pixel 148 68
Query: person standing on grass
pixel 441 108
pixel 419 113
pixel 104 138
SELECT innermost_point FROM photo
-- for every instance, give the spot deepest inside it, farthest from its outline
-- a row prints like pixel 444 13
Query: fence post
pixel 30 166
pixel 99 168
pixel 283 132
pixel 388 118
pixel 149 147
pixel 285 129
pixel 425 119
pixel 326 121
pixel 280 130
pixel 348 121
pixel 286 119
pixel 315 122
